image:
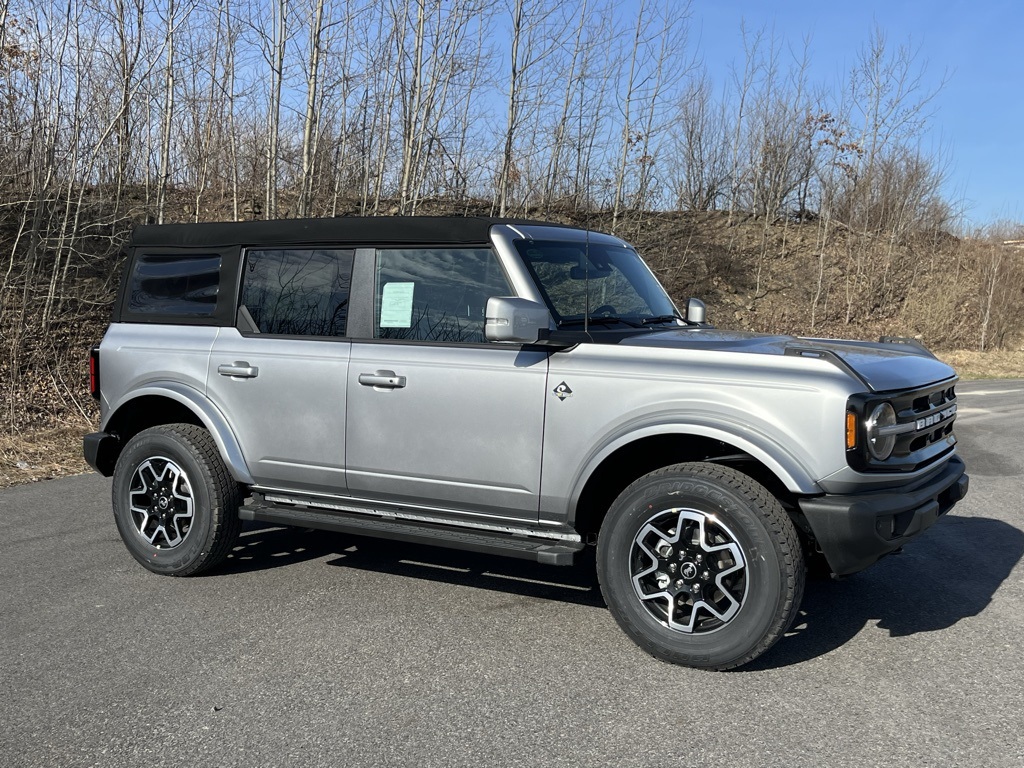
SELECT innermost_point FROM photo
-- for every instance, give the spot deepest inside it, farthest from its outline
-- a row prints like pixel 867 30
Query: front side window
pixel 436 294
pixel 600 280
pixel 163 284
pixel 300 292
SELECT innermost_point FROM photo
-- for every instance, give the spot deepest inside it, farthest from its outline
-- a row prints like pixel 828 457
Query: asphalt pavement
pixel 315 649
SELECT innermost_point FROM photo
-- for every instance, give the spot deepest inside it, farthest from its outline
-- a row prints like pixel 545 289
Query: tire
pixel 175 504
pixel 700 566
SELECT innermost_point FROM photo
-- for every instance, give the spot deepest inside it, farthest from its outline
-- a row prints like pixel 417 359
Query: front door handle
pixel 382 379
pixel 239 370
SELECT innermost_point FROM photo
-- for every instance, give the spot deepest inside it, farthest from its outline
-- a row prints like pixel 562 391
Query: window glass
pixel 175 285
pixel 609 280
pixel 436 294
pixel 301 292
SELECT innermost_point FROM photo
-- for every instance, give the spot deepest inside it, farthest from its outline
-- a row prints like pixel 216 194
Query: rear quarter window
pixel 176 285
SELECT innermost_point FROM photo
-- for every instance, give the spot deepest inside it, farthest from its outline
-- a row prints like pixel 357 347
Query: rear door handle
pixel 382 379
pixel 239 370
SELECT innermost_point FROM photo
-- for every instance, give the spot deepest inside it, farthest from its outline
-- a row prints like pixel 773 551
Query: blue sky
pixel 978 47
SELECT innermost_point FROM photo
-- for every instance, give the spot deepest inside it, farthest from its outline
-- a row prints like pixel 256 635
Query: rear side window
pixel 300 292
pixel 175 285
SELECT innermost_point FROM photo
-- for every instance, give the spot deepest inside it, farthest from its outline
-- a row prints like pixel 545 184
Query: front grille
pixel 926 417
pixel 932 414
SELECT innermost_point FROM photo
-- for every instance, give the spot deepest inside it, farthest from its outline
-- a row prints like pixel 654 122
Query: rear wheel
pixel 700 565
pixel 175 504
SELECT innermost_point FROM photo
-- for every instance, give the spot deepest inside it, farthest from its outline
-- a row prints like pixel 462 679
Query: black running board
pixel 454 537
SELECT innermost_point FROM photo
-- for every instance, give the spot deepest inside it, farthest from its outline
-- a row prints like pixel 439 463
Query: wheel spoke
pixel 161 503
pixel 688 570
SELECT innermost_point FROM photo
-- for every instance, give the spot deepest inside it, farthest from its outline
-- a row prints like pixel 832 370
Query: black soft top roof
pixel 354 230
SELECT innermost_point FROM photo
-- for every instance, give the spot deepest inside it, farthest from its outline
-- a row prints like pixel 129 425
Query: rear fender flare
pixel 206 412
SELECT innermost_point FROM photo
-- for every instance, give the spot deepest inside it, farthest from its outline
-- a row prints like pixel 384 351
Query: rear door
pixel 279 375
pixel 438 417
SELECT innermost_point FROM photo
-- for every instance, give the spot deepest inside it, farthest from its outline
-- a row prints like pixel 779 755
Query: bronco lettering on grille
pixel 936 418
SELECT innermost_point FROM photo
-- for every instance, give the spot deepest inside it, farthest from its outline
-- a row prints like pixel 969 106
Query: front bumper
pixel 856 530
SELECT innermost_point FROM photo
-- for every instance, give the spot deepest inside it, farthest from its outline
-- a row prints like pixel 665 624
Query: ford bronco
pixel 513 388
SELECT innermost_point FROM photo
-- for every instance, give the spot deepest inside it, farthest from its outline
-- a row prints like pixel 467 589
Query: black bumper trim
pixel 855 531
pixel 100 449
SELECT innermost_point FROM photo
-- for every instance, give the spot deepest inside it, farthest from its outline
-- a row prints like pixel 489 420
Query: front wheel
pixel 175 505
pixel 700 566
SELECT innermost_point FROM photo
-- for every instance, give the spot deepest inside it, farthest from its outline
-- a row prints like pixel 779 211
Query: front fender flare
pixel 778 460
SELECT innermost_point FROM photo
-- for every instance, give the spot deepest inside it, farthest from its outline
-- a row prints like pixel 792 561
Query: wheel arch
pixel 627 459
pixel 170 403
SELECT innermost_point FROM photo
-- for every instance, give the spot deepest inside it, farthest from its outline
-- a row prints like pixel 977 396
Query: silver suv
pixel 514 388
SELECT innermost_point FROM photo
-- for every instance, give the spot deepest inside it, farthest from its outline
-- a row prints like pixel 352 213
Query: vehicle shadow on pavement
pixel 575 584
pixel 262 547
pixel 948 575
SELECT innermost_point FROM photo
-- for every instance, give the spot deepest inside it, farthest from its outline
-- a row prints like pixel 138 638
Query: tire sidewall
pixel 765 594
pixel 196 543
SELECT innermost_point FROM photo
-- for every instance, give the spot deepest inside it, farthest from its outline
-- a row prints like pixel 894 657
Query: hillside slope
pixel 804 278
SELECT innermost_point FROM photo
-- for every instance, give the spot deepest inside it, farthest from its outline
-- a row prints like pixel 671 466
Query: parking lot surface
pixel 308 648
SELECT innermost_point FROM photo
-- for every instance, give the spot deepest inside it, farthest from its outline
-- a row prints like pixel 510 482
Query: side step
pixel 453 537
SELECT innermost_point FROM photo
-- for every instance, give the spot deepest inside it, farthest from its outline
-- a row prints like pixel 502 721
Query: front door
pixel 438 417
pixel 446 426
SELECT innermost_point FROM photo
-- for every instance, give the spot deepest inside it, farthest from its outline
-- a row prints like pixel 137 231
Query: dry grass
pixel 42 455
pixel 998 364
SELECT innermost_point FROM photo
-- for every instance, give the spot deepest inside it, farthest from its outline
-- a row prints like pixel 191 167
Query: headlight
pixel 880 445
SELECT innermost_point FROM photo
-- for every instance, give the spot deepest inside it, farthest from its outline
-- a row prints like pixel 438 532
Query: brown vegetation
pixel 787 205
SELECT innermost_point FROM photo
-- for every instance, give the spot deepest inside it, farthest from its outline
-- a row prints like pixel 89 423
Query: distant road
pixel 327 650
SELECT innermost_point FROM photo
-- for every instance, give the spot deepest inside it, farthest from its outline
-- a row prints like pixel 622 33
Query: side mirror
pixel 515 320
pixel 696 312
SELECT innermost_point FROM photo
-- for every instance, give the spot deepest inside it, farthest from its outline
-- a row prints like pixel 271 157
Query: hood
pixel 881 366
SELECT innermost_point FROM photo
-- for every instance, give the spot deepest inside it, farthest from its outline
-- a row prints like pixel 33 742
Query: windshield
pixel 621 287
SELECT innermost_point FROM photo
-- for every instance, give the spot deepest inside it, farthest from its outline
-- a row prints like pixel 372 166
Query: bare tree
pixel 700 172
pixel 466 114
pixel 386 95
pixel 533 41
pixel 411 122
pixel 572 76
pixel 514 91
pixel 278 46
pixel 168 114
pixel 629 139
pixel 742 83
pixel 128 23
pixel 654 63
pixel 890 105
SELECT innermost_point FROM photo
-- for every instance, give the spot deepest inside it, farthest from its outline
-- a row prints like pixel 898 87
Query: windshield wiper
pixel 662 319
pixel 600 320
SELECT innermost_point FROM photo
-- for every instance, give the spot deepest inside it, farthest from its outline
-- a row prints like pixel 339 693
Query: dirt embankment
pixel 805 278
